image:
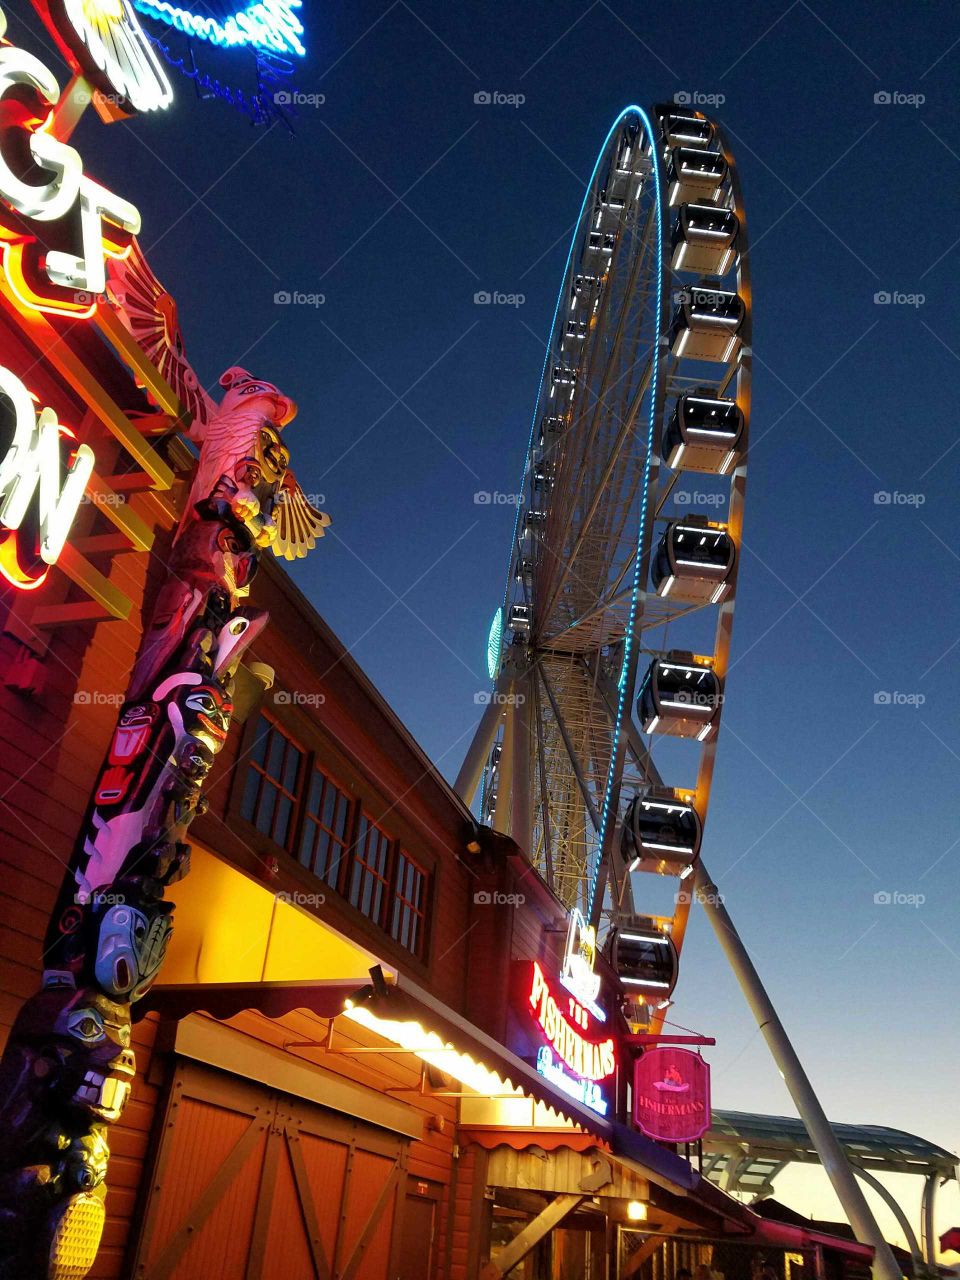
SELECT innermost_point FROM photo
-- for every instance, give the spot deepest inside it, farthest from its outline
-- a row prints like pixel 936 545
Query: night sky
pixel 397 199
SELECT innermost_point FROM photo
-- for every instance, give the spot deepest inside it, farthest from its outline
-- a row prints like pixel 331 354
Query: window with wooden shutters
pixel 369 875
pixel 271 786
pixel 287 796
pixel 325 837
pixel 408 917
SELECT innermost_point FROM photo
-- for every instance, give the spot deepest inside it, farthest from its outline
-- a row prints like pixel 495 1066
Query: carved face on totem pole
pixel 73 1051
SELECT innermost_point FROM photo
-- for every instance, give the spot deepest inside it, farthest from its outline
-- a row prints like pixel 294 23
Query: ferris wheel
pixel 610 650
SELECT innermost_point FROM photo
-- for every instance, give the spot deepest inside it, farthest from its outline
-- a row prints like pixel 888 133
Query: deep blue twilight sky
pixel 398 198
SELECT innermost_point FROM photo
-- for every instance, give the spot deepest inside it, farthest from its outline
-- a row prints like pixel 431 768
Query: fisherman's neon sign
pixel 32 483
pixel 587 1058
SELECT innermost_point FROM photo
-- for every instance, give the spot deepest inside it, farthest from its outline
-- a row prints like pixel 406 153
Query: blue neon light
pixel 627 111
pixel 586 1091
pixel 270 25
pixel 622 691
pixel 553 324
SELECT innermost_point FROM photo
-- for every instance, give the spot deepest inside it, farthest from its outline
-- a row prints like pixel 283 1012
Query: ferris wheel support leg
pixel 520 790
pixel 468 779
pixel 849 1191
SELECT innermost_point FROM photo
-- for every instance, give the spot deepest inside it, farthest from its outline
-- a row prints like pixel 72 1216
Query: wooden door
pixel 419 1238
pixel 254 1184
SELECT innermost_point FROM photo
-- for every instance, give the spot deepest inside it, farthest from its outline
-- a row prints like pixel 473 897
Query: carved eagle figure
pixel 149 313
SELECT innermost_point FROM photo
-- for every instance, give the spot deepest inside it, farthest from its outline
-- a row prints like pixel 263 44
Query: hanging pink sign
pixel 671 1095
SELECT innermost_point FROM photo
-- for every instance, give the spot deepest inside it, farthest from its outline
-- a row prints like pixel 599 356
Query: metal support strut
pixel 849 1192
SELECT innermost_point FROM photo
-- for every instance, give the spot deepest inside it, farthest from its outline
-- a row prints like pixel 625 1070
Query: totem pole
pixel 68 1067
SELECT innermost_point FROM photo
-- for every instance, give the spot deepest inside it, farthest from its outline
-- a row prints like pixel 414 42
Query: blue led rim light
pixel 268 25
pixel 553 324
pixel 622 691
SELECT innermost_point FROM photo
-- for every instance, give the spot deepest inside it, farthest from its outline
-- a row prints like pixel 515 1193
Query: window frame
pixel 400 903
pixel 267 779
pixel 363 804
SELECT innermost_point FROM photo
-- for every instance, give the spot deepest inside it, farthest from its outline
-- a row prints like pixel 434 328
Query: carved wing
pixel 299 524
pixel 149 312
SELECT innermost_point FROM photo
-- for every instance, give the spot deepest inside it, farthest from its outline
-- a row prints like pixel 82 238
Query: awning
pixel 400 1012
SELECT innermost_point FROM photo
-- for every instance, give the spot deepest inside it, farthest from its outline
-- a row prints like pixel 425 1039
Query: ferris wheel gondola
pixel 646 377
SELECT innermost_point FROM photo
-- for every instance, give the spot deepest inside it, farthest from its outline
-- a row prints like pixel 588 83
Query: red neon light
pixel 586 1058
pixel 12 567
pixel 22 252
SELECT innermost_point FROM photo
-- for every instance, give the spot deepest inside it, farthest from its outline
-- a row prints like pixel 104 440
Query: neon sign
pixel 38 218
pixel 31 478
pixel 587 1058
pixel 586 1091
pixel 103 40
pixel 270 25
pixel 579 958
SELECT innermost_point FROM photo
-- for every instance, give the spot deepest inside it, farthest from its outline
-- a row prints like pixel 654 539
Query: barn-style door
pixel 250 1183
